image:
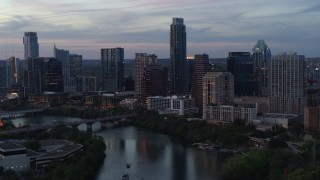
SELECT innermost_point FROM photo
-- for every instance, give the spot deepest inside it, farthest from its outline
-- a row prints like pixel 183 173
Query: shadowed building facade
pixel 200 68
pixel 112 62
pixel 178 56
pixel 287 84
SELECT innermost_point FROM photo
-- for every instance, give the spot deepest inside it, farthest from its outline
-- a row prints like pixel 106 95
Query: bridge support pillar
pixel 103 125
pixel 89 127
pixel 74 126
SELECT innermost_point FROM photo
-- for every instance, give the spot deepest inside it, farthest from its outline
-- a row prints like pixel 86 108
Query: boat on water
pixel 125 177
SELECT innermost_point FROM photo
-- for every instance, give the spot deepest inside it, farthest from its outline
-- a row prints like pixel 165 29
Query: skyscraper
pixel 154 82
pixel 261 62
pixel 63 56
pixel 75 70
pixel 178 56
pixel 13 74
pixel 287 83
pixel 4 69
pixel 52 72
pixel 142 60
pixel 112 62
pixel 240 64
pixel 218 88
pixel 31 46
pixel 33 76
pixel 200 68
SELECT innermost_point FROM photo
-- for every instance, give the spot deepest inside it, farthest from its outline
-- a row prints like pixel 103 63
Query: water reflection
pixel 151 156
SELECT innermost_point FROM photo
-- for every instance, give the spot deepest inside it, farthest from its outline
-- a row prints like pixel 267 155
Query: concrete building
pixel 218 88
pixel 178 48
pixel 154 82
pixel 287 84
pixel 142 60
pixel 64 57
pixel 88 83
pixel 271 119
pixel 240 64
pixel 13 157
pixel 33 75
pixel 4 72
pixel 260 102
pixel 224 114
pixel 174 105
pixel 312 108
pixel 14 75
pixel 75 70
pixel 112 63
pixel 200 68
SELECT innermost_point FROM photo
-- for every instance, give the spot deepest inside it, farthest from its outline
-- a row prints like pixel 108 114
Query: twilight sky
pixel 214 27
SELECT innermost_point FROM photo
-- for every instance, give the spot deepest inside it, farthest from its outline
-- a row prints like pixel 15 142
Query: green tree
pixel 34 145
pixel 253 165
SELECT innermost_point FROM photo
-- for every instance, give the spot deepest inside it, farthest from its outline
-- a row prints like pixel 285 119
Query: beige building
pixel 218 88
pixel 228 113
pixel 287 84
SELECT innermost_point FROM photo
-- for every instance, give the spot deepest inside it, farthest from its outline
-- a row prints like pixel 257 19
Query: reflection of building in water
pixel 207 164
pixel 150 149
pixel 179 163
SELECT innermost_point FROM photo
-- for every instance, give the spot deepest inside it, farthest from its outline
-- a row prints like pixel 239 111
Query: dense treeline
pixel 85 165
pixel 232 135
pixel 86 113
pixel 272 164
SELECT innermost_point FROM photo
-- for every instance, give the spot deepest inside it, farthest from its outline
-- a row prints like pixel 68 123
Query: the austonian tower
pixel 178 53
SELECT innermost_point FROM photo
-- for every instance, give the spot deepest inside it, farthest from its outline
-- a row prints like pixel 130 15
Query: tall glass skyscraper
pixel 178 55
pixel 64 57
pixel 31 46
pixel 112 63
pixel 261 62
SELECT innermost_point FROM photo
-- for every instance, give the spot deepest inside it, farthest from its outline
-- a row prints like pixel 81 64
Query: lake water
pixel 152 156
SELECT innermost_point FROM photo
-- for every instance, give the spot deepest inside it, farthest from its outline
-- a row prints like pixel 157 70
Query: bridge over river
pixel 88 122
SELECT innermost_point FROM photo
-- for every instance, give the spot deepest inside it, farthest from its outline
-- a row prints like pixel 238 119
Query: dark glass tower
pixel 112 62
pixel 240 64
pixel 178 53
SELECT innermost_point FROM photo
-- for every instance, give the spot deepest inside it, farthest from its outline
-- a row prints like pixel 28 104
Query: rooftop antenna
pixel 11 48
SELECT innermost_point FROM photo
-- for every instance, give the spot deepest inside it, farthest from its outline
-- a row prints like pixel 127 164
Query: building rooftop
pixel 7 145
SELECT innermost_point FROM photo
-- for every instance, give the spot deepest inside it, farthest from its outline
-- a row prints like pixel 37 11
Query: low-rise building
pixel 175 105
pixel 272 119
pixel 13 157
pixel 223 114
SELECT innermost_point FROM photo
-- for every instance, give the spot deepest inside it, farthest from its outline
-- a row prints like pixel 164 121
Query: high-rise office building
pixel 64 57
pixel 218 90
pixel 75 70
pixel 112 62
pixel 53 78
pixel 178 57
pixel 4 79
pixel 312 109
pixel 287 83
pixel 14 73
pixel 200 68
pixel 240 64
pixel 261 62
pixel 31 46
pixel 142 60
pixel 154 82
pixel 33 76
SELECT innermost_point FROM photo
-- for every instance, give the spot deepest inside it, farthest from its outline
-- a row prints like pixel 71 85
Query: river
pixel 152 156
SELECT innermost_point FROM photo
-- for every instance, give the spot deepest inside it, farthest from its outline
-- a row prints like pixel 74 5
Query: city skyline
pixel 213 27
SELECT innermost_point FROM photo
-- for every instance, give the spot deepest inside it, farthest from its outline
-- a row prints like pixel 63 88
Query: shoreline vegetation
pixel 83 166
